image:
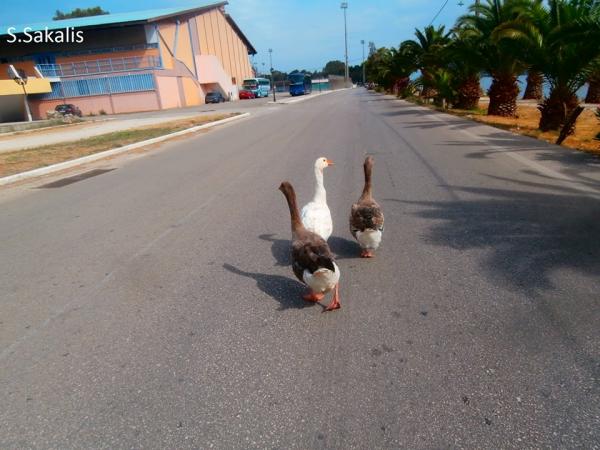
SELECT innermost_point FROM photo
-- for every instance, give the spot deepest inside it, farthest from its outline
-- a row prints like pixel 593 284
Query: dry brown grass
pixel 23 160
pixel 527 120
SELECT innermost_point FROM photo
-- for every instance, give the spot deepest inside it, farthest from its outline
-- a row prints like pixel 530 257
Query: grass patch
pixel 23 160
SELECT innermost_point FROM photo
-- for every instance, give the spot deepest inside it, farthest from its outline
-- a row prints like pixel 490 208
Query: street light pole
pixel 344 6
pixel 362 41
pixel 29 118
pixel 19 77
pixel 272 79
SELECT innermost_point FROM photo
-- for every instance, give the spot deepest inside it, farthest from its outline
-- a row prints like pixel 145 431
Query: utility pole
pixel 344 6
pixel 272 79
pixel 362 41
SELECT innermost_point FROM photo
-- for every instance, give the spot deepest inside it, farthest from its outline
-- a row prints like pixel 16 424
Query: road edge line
pixel 115 151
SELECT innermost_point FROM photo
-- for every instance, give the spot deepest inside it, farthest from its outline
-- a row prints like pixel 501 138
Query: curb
pixel 115 151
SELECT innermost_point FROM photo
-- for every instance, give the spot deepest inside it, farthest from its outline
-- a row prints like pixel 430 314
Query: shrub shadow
pixel 529 234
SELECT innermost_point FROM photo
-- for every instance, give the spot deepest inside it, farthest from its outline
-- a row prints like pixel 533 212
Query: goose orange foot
pixel 313 297
pixel 335 301
pixel 367 254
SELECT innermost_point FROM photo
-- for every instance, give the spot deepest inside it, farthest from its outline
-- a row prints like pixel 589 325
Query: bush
pixel 102 112
pixel 598 116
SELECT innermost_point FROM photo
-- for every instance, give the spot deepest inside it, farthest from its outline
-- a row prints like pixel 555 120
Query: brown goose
pixel 366 217
pixel 312 261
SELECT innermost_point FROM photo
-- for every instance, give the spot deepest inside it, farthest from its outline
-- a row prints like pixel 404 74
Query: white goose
pixel 315 215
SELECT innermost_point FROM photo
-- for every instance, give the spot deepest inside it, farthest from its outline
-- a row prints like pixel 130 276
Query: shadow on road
pixel 343 248
pixel 529 234
pixel 280 249
pixel 286 290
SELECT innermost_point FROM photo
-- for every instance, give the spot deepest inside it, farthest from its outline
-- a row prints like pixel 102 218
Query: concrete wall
pixel 12 108
pixel 113 104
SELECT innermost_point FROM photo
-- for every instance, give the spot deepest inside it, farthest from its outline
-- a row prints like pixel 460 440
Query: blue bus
pixel 259 86
pixel 300 84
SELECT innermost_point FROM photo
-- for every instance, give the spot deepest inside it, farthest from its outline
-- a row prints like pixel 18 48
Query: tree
pixel 355 73
pixel 279 76
pixel 79 12
pixel 426 54
pixel 378 66
pixel 535 79
pixel 593 93
pixel 502 59
pixel 372 48
pixel 463 56
pixel 334 67
pixel 564 46
pixel 390 68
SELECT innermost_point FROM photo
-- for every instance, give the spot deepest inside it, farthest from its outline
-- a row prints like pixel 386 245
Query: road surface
pixel 152 305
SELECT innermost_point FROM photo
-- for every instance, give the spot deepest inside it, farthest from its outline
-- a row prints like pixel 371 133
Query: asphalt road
pixel 152 306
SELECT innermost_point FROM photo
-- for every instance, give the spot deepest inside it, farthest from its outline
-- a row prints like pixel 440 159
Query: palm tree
pixel 426 54
pixel 378 66
pixel 502 59
pixel 593 93
pixel 464 63
pixel 535 83
pixel 563 46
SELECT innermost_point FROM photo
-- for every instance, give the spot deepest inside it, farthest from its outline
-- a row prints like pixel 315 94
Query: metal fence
pixel 99 66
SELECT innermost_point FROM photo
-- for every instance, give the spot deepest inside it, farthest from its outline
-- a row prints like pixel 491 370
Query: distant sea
pixel 487 81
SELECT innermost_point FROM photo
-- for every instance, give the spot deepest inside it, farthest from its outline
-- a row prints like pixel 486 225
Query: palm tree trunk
pixel 428 90
pixel 503 95
pixel 468 93
pixel 593 93
pixel 556 108
pixel 533 90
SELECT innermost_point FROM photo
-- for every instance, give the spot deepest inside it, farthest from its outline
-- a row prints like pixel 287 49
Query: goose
pixel 366 217
pixel 316 216
pixel 312 260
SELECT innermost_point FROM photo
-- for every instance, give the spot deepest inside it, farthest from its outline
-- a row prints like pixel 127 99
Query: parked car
pixel 214 97
pixel 65 109
pixel 246 94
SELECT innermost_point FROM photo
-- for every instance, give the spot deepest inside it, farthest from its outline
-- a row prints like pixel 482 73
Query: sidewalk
pixel 85 130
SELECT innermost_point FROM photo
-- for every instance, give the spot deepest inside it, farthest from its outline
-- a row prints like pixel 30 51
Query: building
pixel 138 61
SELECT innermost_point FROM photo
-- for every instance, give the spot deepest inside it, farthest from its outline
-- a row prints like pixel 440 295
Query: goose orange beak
pixel 329 162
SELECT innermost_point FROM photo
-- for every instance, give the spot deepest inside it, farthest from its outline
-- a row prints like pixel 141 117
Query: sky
pixel 304 34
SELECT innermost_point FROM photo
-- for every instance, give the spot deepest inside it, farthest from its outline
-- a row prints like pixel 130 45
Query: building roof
pixel 134 17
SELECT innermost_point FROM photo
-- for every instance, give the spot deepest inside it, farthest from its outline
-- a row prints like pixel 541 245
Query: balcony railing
pixel 99 66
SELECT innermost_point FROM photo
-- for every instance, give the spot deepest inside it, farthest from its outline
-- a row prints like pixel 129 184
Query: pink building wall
pixel 113 104
pixel 168 89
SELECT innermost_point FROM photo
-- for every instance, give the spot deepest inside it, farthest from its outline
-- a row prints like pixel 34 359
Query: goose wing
pixel 310 253
pixel 366 216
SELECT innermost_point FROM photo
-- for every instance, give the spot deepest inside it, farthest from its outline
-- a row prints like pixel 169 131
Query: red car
pixel 247 95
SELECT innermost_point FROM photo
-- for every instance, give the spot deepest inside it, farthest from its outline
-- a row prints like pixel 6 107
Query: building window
pixel 100 86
